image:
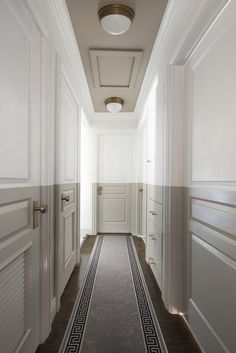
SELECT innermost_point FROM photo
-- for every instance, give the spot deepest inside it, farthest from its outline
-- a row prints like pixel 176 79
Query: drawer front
pixel 154 263
pixel 155 214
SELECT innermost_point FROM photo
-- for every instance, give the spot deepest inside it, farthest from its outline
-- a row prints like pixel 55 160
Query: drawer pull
pixel 151 261
pixel 153 213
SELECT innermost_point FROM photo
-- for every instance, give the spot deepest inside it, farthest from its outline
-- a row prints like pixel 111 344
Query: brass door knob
pixel 65 198
pixel 41 208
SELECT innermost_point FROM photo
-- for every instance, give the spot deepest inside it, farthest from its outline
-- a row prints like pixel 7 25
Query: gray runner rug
pixel 113 312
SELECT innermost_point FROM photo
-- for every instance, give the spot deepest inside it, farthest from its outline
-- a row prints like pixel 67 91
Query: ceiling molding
pixel 204 21
pixel 151 70
pixel 113 116
pixel 122 125
pixel 125 61
pixel 205 12
pixel 60 15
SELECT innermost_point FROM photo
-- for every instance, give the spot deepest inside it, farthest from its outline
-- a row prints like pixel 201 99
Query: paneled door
pixel 210 87
pixel 114 187
pixel 20 48
pixel 67 181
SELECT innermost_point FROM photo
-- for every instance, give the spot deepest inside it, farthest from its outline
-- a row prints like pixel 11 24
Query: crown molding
pixel 105 116
pixel 60 14
pixel 151 71
pixel 115 124
pixel 204 20
pixel 204 13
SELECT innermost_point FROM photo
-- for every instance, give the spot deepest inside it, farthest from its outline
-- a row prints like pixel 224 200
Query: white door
pixel 211 73
pixel 114 187
pixel 20 48
pixel 67 181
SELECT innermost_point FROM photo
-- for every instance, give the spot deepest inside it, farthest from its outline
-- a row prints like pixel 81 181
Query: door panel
pixel 20 86
pixel 114 187
pixel 114 208
pixel 210 81
pixel 67 186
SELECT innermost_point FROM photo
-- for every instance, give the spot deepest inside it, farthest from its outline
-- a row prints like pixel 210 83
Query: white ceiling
pixel 115 65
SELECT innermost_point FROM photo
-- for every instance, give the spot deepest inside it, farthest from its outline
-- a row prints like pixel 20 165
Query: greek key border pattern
pixel 148 326
pixel 75 335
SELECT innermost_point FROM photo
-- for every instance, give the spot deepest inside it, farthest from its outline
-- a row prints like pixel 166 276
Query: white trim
pixel 46 149
pixel 204 19
pixel 112 116
pixel 173 239
pixel 60 14
pixel 151 71
pixel 45 193
pixel 94 209
pixel 114 125
pixel 53 309
pixel 190 329
pixel 84 238
pixel 205 13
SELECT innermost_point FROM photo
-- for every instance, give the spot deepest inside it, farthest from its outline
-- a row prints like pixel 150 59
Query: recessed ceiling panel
pixel 115 65
pixel 115 68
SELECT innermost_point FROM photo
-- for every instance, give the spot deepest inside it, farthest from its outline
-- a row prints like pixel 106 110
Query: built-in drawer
pixel 155 214
pixel 154 262
pixel 154 239
pixel 155 193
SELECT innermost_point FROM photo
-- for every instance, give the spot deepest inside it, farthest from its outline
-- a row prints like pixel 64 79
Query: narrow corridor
pixel 177 336
pixel 117 118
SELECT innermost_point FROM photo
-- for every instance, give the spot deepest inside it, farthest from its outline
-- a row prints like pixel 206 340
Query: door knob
pixel 41 209
pixel 65 198
pixel 99 190
pixel 36 208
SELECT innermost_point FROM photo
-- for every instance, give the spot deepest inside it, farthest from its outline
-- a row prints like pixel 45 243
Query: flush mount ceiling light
pixel 114 104
pixel 116 19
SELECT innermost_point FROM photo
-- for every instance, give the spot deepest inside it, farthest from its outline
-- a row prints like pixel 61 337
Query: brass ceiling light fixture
pixel 114 104
pixel 116 19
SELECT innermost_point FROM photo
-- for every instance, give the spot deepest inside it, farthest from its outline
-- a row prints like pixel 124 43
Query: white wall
pixel 195 97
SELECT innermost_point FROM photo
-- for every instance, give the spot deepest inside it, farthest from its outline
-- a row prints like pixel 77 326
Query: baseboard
pixel 141 237
pixel 193 334
pixel 53 309
pixel 82 239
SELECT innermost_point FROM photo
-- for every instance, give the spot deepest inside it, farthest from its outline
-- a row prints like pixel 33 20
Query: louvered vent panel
pixel 12 304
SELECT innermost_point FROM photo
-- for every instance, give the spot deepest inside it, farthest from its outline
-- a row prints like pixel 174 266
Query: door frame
pixel 59 71
pixel 134 187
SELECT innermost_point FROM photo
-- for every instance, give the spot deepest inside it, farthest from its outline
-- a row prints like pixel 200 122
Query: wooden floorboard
pixel 176 333
pixel 177 336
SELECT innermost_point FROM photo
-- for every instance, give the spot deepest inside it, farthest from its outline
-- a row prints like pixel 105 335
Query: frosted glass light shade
pixel 115 24
pixel 114 104
pixel 116 19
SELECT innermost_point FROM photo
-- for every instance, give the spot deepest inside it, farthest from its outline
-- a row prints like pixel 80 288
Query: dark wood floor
pixel 176 333
pixel 177 336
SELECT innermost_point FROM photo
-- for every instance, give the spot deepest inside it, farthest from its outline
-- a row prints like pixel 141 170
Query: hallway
pixel 117 136
pixel 177 336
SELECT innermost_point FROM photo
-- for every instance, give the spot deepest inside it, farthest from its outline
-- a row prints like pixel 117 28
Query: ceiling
pixel 115 65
